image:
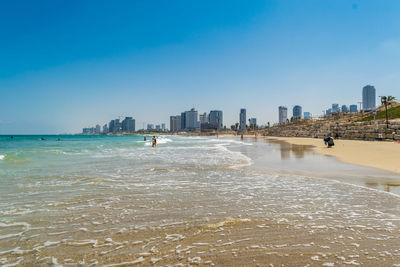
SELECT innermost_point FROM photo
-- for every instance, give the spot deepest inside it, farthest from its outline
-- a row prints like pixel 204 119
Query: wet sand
pixel 376 154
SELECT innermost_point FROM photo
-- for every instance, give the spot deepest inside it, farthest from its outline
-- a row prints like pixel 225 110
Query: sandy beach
pixel 376 154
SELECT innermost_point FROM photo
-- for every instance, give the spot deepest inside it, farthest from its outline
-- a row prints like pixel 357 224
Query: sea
pixel 88 200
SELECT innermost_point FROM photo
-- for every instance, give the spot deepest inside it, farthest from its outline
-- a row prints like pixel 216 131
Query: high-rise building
pixel 253 121
pixel 172 123
pixel 307 115
pixel 282 114
pixel 192 121
pixel 297 111
pixel 163 126
pixel 178 122
pixel 150 127
pixel 118 126
pixel 353 108
pixel 345 108
pixel 369 97
pixel 128 125
pixel 105 128
pixel 158 127
pixel 242 119
pixel 203 118
pixel 215 118
pixel 335 108
pixel 183 120
pixel 111 126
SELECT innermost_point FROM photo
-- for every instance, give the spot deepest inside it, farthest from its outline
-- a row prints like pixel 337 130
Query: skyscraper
pixel 345 108
pixel 163 126
pixel 192 121
pixel 172 123
pixel 297 111
pixel 282 114
pixel 178 122
pixel 183 120
pixel 128 125
pixel 111 126
pixel 215 118
pixel 369 97
pixel 242 119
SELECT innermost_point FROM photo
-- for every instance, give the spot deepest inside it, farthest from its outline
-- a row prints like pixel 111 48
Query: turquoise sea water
pixel 65 199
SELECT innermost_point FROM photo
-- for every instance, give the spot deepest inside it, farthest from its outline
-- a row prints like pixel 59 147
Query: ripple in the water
pixel 116 201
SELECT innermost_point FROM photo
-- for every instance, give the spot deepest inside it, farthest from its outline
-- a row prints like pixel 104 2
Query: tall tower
pixel 297 111
pixel 242 119
pixel 282 114
pixel 369 97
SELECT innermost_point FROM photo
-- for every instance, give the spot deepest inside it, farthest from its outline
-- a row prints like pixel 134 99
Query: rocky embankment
pixel 368 130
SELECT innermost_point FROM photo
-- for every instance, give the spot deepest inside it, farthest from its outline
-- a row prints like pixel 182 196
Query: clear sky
pixel 65 65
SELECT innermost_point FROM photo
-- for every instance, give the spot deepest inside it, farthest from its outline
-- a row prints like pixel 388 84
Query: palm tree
pixel 391 98
pixel 236 126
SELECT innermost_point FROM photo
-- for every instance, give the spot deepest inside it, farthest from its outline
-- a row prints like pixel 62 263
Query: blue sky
pixel 65 65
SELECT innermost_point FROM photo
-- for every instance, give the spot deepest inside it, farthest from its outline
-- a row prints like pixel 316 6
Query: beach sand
pixel 376 154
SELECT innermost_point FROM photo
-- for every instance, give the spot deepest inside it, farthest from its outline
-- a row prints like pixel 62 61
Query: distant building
pixel 178 123
pixel 253 121
pixel 282 114
pixel 307 115
pixel 215 118
pixel 192 121
pixel 183 120
pixel 98 129
pixel 335 108
pixel 369 97
pixel 242 119
pixel 163 126
pixel 345 108
pixel 150 127
pixel 328 111
pixel 128 125
pixel 105 128
pixel 172 123
pixel 203 117
pixel 353 108
pixel 297 111
pixel 117 126
pixel 158 127
pixel 111 126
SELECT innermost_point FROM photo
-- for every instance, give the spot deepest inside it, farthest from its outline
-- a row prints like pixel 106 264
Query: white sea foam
pixel 2 157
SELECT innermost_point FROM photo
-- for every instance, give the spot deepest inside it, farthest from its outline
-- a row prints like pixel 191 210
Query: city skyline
pixel 65 66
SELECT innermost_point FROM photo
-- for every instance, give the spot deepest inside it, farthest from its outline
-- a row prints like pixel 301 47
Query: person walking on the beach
pixel 154 142
pixel 329 141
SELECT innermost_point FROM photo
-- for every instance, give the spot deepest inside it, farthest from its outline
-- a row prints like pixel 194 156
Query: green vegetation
pixel 392 113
